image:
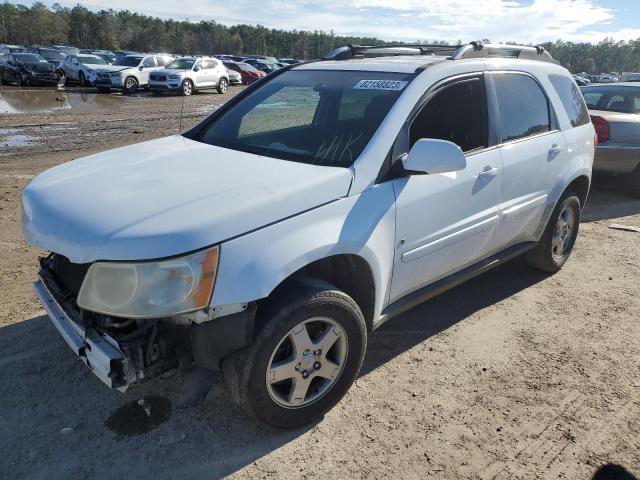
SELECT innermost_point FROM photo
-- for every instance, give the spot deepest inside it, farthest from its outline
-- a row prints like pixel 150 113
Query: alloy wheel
pixel 307 362
pixel 563 233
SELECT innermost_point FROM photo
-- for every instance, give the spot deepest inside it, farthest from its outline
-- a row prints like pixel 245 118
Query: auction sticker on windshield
pixel 394 85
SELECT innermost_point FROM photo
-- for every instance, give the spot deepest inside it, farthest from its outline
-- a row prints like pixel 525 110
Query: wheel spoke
pixel 300 339
pixel 330 337
pixel 282 371
pixel 557 245
pixel 328 369
pixel 299 390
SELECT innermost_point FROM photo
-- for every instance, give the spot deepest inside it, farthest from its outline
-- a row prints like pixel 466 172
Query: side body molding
pixel 253 265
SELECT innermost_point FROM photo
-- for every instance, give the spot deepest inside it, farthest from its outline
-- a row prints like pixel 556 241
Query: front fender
pixel 254 264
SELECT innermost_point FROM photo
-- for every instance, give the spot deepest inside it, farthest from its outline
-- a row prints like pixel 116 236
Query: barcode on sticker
pixel 394 85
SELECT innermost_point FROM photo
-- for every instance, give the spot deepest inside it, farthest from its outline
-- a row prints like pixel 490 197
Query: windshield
pixel 50 54
pixel 91 60
pixel 613 99
pixel 318 117
pixel 129 61
pixel 29 57
pixel 181 64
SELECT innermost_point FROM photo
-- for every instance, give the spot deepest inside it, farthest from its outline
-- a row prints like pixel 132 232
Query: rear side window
pixel 457 113
pixel 571 99
pixel 523 106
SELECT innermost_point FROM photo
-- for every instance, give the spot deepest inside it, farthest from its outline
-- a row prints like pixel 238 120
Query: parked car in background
pixel 131 73
pixel 53 56
pixel 27 69
pixel 234 77
pixel 630 77
pixel 120 54
pixel 274 237
pixel 81 68
pixel 7 49
pixel 187 75
pixel 263 65
pixel 233 58
pixel 266 58
pixel 106 55
pixel 581 81
pixel 248 72
pixel 288 61
pixel 65 49
pixel 615 113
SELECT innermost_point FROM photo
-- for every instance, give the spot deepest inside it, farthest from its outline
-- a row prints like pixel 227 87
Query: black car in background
pixel 7 49
pixel 52 55
pixel 27 69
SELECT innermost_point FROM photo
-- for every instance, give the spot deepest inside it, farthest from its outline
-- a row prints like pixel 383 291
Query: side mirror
pixel 196 69
pixel 429 155
pixel 141 67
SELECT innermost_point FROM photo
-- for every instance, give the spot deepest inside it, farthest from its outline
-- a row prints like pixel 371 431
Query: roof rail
pixel 453 52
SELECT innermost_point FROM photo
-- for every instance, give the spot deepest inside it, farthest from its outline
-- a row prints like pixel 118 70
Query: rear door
pixel 445 222
pixel 533 153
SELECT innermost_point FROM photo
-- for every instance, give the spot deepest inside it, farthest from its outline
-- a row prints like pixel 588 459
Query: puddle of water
pixel 134 419
pixel 10 138
pixel 31 101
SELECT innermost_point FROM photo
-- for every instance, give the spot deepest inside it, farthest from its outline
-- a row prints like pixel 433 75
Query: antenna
pixel 182 101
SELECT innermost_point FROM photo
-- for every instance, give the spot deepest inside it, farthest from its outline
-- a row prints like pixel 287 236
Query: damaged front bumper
pixel 99 352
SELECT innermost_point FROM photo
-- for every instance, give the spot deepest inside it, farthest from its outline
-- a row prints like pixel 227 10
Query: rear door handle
pixel 554 151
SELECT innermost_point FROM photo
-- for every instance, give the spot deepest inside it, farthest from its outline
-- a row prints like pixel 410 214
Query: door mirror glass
pixel 196 68
pixel 430 155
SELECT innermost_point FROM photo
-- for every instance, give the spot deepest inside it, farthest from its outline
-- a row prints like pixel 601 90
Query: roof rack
pixel 453 52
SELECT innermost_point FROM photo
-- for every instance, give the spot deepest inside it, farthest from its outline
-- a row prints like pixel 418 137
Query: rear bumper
pixel 99 353
pixel 616 158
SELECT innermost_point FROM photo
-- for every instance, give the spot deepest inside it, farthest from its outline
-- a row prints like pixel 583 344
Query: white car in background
pixel 130 73
pixel 81 68
pixel 189 74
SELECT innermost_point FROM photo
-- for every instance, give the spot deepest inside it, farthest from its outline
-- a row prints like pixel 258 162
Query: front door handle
pixel 489 173
pixel 554 151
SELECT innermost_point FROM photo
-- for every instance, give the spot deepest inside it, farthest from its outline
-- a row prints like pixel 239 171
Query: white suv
pixel 316 204
pixel 189 74
pixel 130 73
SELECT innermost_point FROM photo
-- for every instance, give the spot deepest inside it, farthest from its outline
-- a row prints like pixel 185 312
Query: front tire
pixel 557 241
pixel 187 88
pixel 305 357
pixel 223 85
pixel 130 85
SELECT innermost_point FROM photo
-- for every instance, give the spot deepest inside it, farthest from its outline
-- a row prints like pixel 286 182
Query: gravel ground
pixel 516 374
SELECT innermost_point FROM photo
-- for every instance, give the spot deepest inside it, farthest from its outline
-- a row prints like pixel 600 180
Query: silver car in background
pixel 187 75
pixel 615 113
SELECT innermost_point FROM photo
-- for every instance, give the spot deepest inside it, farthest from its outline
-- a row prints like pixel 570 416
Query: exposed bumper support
pixel 103 358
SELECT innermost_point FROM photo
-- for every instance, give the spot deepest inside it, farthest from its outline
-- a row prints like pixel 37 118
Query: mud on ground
pixel 516 374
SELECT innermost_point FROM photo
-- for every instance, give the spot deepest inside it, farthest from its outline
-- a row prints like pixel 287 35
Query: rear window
pixel 623 99
pixel 571 99
pixel 523 106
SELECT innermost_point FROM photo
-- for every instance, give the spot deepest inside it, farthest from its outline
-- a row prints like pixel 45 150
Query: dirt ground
pixel 516 374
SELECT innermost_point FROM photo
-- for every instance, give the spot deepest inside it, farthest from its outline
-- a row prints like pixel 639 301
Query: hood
pixel 169 71
pixel 41 67
pixel 166 197
pixel 96 66
pixel 112 68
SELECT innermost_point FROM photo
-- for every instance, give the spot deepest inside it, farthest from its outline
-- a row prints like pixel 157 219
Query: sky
pixel 525 21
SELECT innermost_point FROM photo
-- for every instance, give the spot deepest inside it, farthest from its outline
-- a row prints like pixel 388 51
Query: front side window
pixel 457 113
pixel 522 105
pixel 299 116
pixel 571 99
pixel 160 61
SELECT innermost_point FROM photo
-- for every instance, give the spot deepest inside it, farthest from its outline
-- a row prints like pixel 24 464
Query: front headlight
pixel 89 70
pixel 150 289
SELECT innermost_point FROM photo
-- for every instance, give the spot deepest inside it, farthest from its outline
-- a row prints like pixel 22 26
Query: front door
pixel 445 222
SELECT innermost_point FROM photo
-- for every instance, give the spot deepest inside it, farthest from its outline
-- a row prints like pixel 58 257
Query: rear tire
pixel 632 183
pixel 555 246
pixel 310 380
pixel 223 86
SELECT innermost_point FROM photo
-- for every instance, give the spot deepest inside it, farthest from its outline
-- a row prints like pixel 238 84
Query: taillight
pixel 602 128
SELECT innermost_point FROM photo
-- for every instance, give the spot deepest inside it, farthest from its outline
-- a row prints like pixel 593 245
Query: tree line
pixel 115 30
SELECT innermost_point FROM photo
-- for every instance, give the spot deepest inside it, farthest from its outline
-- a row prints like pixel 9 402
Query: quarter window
pixel 457 113
pixel 571 99
pixel 523 107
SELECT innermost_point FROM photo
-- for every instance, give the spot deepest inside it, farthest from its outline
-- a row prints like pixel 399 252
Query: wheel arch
pixel 348 272
pixel 580 185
